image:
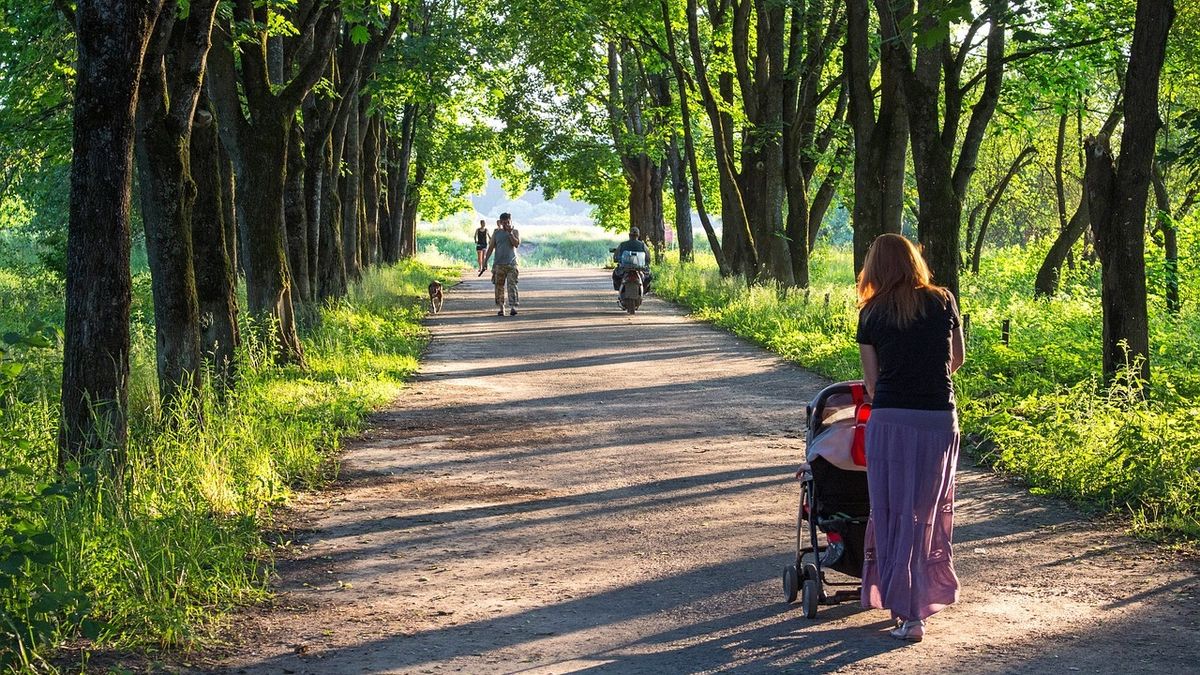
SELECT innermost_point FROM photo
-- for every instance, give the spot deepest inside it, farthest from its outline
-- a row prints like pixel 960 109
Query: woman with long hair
pixel 910 341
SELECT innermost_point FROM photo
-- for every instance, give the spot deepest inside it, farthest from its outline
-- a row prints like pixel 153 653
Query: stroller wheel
pixel 810 572
pixel 812 596
pixel 791 584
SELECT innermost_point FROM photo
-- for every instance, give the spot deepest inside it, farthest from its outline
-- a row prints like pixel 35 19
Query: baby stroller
pixel 833 498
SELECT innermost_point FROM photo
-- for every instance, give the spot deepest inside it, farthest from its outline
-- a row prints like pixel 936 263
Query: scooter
pixel 634 275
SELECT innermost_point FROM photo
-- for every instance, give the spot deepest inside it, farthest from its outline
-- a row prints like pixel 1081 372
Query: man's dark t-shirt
pixel 631 245
pixel 914 363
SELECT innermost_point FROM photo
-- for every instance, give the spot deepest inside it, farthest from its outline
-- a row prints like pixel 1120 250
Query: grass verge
pixel 1034 404
pixel 158 567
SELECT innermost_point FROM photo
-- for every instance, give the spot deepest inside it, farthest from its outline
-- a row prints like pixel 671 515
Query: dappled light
pixel 478 335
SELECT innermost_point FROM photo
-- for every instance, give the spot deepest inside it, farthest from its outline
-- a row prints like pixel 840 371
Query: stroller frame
pixel 806 576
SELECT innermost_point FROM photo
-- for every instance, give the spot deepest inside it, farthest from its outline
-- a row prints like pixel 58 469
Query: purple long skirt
pixel 911 460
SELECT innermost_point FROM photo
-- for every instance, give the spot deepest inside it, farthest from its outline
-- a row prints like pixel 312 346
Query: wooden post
pixel 1005 331
pixel 966 326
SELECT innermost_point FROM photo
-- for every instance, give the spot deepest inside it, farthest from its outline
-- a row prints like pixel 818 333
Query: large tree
pixel 880 131
pixel 112 37
pixel 258 141
pixel 172 76
pixel 935 100
pixel 1117 194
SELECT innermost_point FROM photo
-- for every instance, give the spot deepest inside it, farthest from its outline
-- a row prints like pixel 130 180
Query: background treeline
pixel 960 123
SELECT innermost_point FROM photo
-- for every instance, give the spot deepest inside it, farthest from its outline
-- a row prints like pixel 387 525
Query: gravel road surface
pixel 578 490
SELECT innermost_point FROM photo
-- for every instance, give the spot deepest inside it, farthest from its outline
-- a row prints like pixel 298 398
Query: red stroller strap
pixel 862 412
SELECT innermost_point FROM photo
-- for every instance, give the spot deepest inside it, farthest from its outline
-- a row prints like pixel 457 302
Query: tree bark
pixel 216 283
pixel 683 203
pixel 258 145
pixel 689 144
pixel 295 215
pixel 332 269
pixel 387 155
pixel 229 203
pixel 111 37
pixel 404 229
pixel 412 208
pixel 761 74
pixel 371 191
pixel 1166 223
pixel 934 100
pixel 350 193
pixel 880 139
pixel 737 239
pixel 1117 196
pixel 172 74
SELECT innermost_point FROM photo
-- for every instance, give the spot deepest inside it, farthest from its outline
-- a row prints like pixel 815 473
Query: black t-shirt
pixel 632 245
pixel 481 238
pixel 914 363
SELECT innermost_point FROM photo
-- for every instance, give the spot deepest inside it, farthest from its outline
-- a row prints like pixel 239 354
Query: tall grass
pixel 1036 406
pixel 183 544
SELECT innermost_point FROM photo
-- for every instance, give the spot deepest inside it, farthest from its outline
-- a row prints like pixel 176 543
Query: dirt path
pixel 576 490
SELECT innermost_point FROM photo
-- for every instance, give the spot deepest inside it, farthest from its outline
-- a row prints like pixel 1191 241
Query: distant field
pixel 542 246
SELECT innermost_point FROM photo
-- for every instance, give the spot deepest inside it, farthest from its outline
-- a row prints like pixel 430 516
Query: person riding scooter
pixel 633 244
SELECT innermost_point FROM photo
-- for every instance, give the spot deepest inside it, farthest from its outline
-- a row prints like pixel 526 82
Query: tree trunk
pixel 386 184
pixel 762 174
pixel 405 215
pixel 295 213
pixel 167 195
pixel 259 144
pixel 880 141
pixel 645 179
pixel 412 209
pixel 316 143
pixel 111 38
pixel 229 203
pixel 683 204
pixel 1117 196
pixel 689 144
pixel 934 101
pixel 371 148
pixel 216 283
pixel 993 200
pixel 1165 221
pixel 332 267
pixel 351 158
pixel 261 180
pixel 737 241
pixel 1046 283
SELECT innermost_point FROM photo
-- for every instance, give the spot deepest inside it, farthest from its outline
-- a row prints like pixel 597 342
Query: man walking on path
pixel 505 241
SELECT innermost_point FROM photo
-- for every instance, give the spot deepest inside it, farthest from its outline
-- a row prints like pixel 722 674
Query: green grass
pixel 160 566
pixel 1036 405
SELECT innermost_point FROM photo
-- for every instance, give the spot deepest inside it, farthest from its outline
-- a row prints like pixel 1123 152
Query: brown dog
pixel 435 296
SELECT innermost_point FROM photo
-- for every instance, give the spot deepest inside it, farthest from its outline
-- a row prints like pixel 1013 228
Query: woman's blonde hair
pixel 896 280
